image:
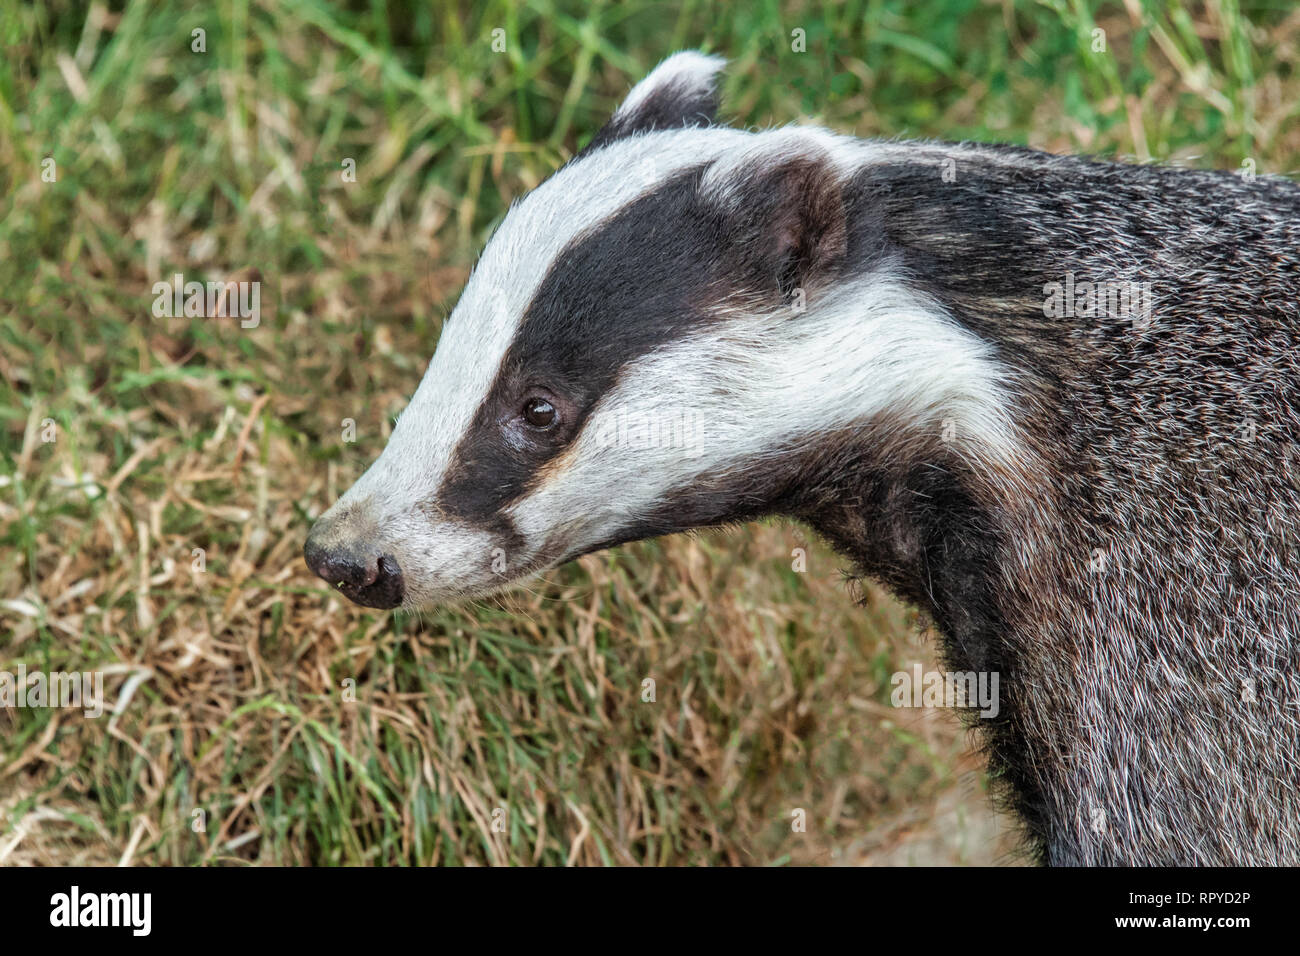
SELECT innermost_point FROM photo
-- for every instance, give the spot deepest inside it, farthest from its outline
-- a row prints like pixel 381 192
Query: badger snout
pixel 353 564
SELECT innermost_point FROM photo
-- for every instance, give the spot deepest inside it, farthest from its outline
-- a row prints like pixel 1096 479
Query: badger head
pixel 659 337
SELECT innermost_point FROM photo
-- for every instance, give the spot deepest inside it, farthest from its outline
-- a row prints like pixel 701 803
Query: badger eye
pixel 539 412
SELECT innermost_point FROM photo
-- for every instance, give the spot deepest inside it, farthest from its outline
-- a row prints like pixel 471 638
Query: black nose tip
pixel 360 573
pixel 356 569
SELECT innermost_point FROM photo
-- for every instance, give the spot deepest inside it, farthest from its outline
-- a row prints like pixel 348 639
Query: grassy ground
pixel 159 475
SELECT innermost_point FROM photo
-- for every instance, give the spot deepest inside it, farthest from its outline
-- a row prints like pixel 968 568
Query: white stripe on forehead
pixel 537 230
pixel 753 384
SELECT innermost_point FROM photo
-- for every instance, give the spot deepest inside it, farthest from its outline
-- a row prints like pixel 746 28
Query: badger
pixel 1052 401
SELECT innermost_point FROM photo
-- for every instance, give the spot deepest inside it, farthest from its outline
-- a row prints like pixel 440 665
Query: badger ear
pixel 781 205
pixel 680 92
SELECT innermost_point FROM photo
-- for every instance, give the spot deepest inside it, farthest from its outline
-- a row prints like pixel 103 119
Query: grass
pixel 156 538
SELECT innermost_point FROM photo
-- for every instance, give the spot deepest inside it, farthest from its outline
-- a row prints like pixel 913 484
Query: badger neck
pixel 942 486
pixel 1139 519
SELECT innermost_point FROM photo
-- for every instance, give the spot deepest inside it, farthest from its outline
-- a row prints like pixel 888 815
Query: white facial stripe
pixel 757 383
pixel 846 154
pixel 724 181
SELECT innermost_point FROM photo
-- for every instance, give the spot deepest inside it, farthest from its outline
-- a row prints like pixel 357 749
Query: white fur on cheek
pixel 753 384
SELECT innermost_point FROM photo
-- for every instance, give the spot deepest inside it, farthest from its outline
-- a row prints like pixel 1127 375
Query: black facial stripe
pixel 638 281
pixel 645 277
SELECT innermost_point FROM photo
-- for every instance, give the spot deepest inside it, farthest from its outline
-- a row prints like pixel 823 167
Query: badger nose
pixel 360 571
pixel 355 569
